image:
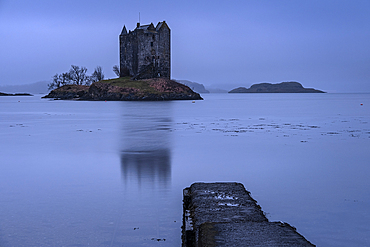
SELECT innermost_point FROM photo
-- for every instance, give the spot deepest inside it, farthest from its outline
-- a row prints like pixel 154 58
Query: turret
pixel 124 30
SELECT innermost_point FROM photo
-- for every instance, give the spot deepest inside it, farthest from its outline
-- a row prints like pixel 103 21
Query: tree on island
pixel 76 76
pixel 97 75
pixel 116 70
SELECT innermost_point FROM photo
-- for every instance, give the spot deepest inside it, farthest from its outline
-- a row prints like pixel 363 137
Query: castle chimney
pixel 138 24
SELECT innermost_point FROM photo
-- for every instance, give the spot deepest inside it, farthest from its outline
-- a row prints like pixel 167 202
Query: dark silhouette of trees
pixel 65 78
pixel 116 70
pixel 55 83
pixel 77 76
pixel 97 75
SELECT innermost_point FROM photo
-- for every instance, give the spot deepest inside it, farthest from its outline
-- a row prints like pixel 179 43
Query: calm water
pixel 112 173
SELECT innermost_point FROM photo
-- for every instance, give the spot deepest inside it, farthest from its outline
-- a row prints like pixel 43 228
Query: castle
pixel 145 52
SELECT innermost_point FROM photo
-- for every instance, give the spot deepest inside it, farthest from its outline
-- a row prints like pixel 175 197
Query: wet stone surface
pixel 224 214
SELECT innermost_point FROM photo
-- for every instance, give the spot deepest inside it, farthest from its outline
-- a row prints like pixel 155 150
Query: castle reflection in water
pixel 146 143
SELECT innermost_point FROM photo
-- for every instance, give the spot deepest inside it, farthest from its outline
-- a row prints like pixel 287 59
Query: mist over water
pixel 111 173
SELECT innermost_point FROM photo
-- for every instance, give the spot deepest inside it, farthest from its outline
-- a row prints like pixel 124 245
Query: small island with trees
pixel 77 85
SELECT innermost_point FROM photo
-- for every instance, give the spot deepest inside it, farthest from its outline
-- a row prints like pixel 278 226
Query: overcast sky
pixel 324 44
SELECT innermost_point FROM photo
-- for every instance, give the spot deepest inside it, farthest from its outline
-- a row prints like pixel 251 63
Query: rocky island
pixel 126 89
pixel 15 94
pixel 283 87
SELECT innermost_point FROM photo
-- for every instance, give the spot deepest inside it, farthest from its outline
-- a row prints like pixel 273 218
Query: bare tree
pixel 97 75
pixel 78 75
pixel 55 83
pixel 65 78
pixel 116 70
pixel 51 86
pixel 59 80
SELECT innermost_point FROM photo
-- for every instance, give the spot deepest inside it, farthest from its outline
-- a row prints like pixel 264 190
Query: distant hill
pixel 34 88
pixel 196 87
pixel 283 87
pixel 216 90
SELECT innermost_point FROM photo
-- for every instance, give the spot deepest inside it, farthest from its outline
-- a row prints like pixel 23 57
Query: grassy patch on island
pixel 127 82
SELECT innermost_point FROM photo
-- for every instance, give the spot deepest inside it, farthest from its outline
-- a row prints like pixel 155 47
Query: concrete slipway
pixel 224 214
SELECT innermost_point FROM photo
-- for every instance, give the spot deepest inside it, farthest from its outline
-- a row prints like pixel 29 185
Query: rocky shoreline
pixel 125 89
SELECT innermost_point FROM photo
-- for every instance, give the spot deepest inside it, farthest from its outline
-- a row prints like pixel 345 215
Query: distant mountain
pixel 34 88
pixel 216 90
pixel 283 87
pixel 196 87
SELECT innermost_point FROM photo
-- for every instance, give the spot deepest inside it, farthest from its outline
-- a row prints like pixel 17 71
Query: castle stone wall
pixel 146 51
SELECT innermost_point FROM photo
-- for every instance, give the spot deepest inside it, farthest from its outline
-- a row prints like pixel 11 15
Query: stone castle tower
pixel 145 52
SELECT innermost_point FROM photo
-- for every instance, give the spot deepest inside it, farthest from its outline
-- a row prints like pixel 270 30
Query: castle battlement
pixel 145 52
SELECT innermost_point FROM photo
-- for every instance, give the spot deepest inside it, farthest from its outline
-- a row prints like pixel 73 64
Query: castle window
pixel 151 44
pixel 153 37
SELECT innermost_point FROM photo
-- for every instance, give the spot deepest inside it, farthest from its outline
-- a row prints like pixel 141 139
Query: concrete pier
pixel 224 214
